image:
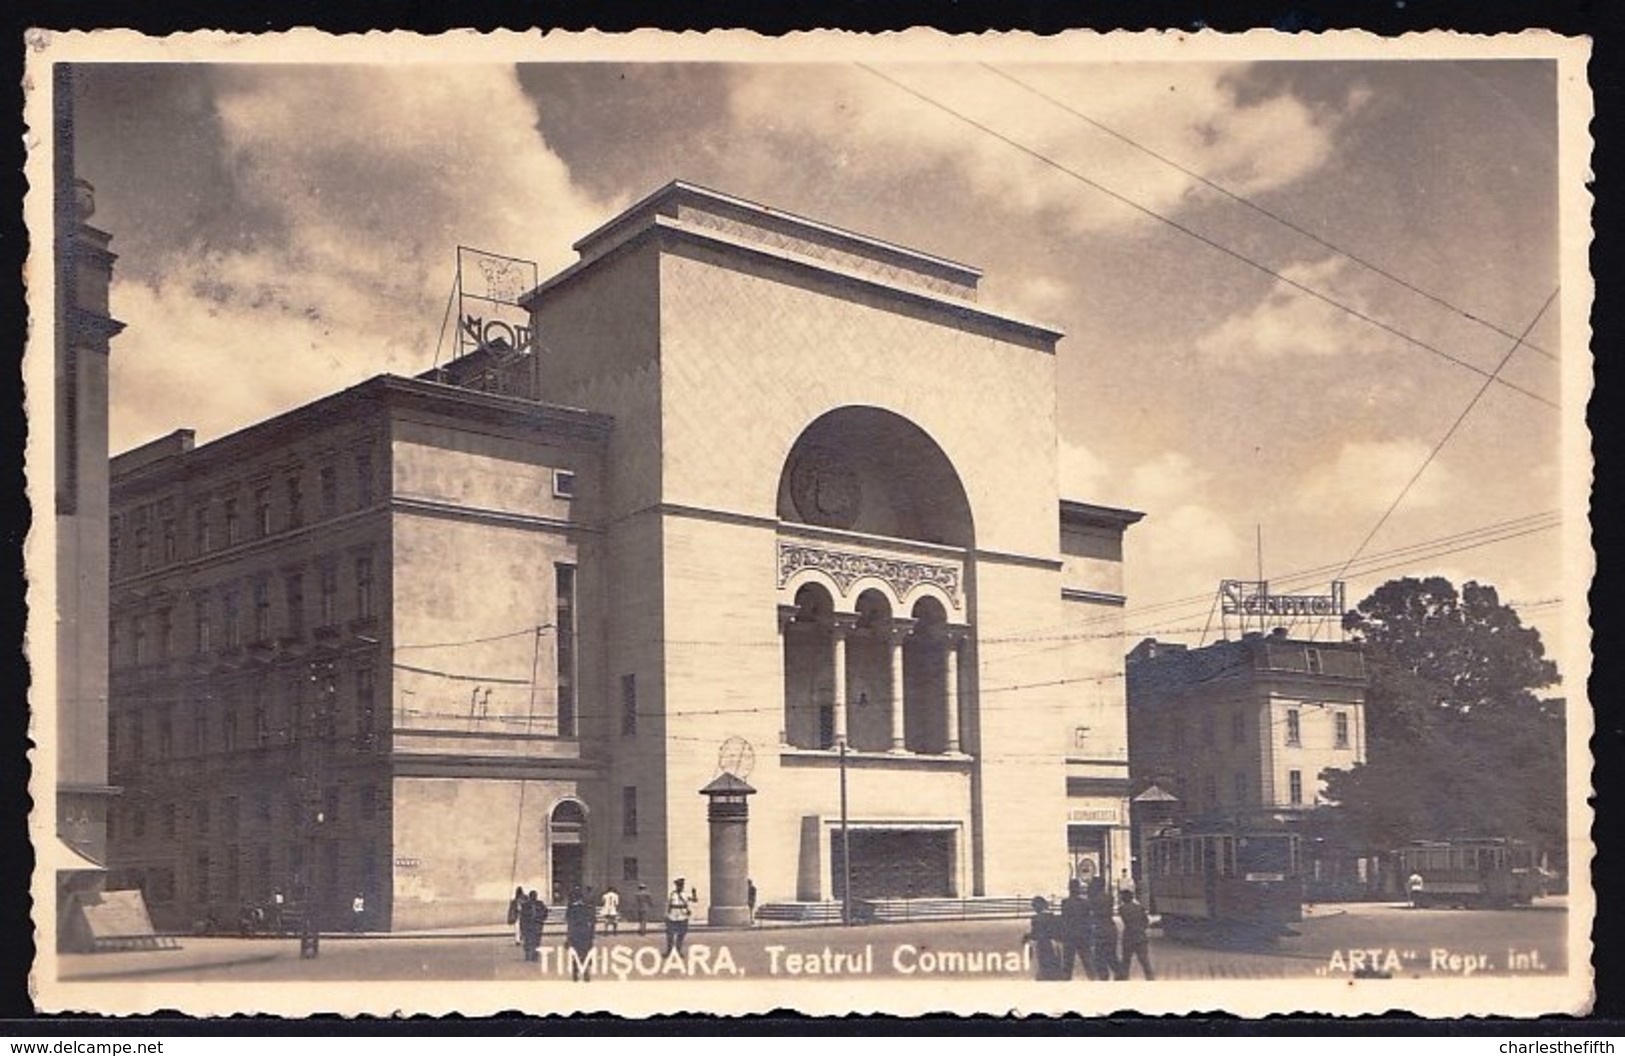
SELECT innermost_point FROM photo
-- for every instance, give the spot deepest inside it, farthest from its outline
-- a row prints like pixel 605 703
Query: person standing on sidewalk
pixel 1135 945
pixel 1103 932
pixel 579 934
pixel 644 904
pixel 610 907
pixel 358 912
pixel 515 906
pixel 1074 930
pixel 532 915
pixel 1043 933
pixel 679 909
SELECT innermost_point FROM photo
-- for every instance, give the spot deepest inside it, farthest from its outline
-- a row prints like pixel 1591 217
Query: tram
pixel 1480 872
pixel 1234 884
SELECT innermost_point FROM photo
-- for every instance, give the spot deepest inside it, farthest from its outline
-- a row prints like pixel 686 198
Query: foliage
pixel 1458 743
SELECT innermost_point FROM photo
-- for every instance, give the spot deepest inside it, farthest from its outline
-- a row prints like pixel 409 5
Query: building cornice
pixel 667 228
pixel 612 232
pixel 388 392
pixel 505 518
pixel 1087 515
pixel 1093 597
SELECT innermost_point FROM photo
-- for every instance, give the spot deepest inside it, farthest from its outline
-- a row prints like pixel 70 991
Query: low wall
pixel 450 913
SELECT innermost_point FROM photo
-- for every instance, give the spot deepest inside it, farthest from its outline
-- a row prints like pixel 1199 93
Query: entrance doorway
pixel 567 832
pixel 1086 847
pixel 895 863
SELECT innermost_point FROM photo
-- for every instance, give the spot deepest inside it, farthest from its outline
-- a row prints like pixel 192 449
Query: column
pixel 955 637
pixel 787 617
pixel 845 623
pixel 900 629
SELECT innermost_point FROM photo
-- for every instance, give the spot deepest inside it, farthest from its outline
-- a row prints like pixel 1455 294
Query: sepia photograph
pixel 717 523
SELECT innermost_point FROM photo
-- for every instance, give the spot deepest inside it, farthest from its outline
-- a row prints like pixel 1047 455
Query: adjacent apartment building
pixel 761 483
pixel 1243 730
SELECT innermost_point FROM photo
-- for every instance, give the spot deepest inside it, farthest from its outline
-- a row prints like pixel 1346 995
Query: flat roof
pixel 678 189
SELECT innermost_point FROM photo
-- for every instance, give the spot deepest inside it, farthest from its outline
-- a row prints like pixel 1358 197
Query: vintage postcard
pixel 715 523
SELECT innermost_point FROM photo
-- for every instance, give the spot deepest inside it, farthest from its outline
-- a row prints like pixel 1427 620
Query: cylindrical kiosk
pixel 728 811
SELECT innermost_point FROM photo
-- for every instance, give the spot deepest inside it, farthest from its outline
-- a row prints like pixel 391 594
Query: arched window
pixel 809 670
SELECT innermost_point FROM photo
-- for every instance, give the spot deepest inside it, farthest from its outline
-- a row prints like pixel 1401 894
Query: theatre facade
pixel 766 497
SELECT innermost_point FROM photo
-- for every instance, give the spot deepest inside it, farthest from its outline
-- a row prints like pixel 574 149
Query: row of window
pixel 1294 729
pixel 1241 790
pixel 1293 732
pixel 230 616
pixel 309 705
pixel 152 532
pixel 230 815
pixel 233 874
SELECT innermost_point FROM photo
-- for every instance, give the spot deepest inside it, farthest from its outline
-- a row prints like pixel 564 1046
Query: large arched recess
pixel 869 470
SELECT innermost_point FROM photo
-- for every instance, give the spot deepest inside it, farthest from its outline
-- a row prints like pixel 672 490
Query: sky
pixel 287 230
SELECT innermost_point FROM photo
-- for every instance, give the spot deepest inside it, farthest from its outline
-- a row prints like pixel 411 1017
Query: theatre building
pixel 767 497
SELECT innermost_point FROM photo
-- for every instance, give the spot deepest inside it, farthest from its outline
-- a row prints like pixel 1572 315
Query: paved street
pixel 1335 941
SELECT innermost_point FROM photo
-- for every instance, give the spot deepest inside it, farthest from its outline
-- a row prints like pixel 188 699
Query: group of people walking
pixel 584 915
pixel 1085 933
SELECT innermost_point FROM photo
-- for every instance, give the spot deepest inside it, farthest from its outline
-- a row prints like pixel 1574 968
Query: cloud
pixel 1082 472
pixel 1191 113
pixel 1287 323
pixel 1184 538
pixel 1184 534
pixel 1365 476
pixel 361 183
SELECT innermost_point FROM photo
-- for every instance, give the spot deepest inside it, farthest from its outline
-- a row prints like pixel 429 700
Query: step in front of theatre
pixel 897 910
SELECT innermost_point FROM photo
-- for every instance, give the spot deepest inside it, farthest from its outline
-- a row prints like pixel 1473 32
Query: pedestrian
pixel 358 911
pixel 579 929
pixel 750 899
pixel 1102 933
pixel 1043 933
pixel 645 904
pixel 1135 945
pixel 1413 889
pixel 610 907
pixel 515 904
pixel 277 902
pixel 679 908
pixel 1074 930
pixel 532 915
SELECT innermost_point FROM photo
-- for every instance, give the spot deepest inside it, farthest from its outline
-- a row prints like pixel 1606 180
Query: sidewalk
pixel 190 954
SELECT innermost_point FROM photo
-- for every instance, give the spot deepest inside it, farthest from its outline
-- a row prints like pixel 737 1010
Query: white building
pixel 813 500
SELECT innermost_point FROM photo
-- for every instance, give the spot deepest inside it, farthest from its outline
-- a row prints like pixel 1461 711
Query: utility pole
pixel 846 846
pixel 315 747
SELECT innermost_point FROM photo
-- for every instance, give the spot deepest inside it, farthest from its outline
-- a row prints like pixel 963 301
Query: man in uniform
pixel 679 908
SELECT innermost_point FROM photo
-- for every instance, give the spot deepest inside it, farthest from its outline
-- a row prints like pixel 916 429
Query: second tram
pixel 1488 873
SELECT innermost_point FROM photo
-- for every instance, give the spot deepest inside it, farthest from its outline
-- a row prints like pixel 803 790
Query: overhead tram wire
pixel 1262 211
pixel 1445 439
pixel 533 629
pixel 1006 639
pixel 1210 242
pixel 1416 551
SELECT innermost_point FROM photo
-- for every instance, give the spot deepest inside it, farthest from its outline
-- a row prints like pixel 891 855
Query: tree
pixel 1457 740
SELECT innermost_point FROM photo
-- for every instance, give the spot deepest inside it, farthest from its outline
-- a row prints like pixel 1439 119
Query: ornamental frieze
pixel 846 567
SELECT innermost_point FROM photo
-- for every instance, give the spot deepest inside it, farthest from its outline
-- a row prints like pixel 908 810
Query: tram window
pixel 1266 854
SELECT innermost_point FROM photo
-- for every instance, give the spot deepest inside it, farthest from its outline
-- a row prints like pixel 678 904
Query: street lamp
pixel 846 844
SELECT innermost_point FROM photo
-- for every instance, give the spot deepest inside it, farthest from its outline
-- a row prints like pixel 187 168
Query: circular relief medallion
pixel 825 490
